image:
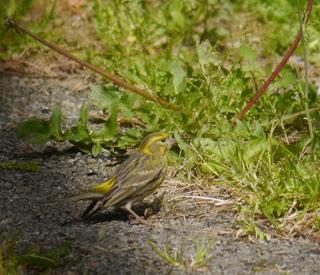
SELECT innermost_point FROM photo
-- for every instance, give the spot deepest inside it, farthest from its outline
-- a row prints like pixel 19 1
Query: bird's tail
pixel 97 192
pixel 96 195
pixel 92 196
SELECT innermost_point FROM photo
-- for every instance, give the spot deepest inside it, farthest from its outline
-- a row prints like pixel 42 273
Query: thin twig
pixel 277 70
pixel 306 79
pixel 10 23
pixel 219 201
pixel 291 116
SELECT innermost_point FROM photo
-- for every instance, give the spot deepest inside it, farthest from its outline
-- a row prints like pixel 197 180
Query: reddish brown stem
pixel 115 79
pixel 277 70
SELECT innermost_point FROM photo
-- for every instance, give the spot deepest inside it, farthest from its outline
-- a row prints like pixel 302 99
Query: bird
pixel 136 178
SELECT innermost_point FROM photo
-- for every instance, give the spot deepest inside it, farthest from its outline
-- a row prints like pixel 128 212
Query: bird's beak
pixel 169 142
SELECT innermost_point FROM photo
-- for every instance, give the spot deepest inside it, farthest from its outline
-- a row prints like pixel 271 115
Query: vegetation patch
pixel 32 166
pixel 178 259
pixel 15 261
pixel 209 59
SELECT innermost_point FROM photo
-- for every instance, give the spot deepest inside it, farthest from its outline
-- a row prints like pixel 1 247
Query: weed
pixel 14 261
pixel 12 43
pixel 32 166
pixel 176 257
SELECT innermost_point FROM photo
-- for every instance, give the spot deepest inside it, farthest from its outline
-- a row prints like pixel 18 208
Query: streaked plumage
pixel 139 176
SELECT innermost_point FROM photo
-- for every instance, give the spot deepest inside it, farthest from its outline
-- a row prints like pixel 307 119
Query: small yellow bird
pixel 139 176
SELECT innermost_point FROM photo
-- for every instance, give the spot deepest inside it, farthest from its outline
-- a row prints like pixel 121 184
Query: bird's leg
pixel 139 219
pixel 87 213
pixel 92 209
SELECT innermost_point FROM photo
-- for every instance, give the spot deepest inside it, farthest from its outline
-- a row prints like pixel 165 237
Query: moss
pixel 32 166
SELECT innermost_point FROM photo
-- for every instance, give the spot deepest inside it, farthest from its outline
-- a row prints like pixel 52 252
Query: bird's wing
pixel 131 175
pixel 104 188
pixel 134 174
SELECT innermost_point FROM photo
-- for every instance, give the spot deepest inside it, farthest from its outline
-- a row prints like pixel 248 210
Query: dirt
pixel 34 207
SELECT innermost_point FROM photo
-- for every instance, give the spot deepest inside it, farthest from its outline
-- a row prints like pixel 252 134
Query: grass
pixel 15 261
pixel 31 166
pixel 210 59
pixel 178 259
pixel 13 45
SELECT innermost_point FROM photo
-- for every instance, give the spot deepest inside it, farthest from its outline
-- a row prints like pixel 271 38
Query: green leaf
pixel 126 112
pixel 131 137
pixel 178 77
pixel 80 132
pixel 259 132
pixel 247 53
pixel 211 166
pixel 55 124
pixel 273 208
pixel 34 131
pixel 96 148
pixel 104 96
pixel 205 52
pixel 255 148
pixel 83 116
pixel 11 8
pixel 287 77
pixel 207 144
pixel 109 130
pixel 182 144
pixel 176 13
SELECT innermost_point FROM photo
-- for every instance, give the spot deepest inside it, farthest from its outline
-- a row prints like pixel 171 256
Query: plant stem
pixel 277 70
pixel 113 78
pixel 306 78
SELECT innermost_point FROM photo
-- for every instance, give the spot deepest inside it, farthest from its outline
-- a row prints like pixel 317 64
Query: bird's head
pixel 156 143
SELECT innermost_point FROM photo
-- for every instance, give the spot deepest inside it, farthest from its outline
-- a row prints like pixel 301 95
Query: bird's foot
pixel 140 220
pixel 137 218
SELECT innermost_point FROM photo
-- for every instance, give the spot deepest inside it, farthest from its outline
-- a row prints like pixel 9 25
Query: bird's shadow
pixel 143 209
